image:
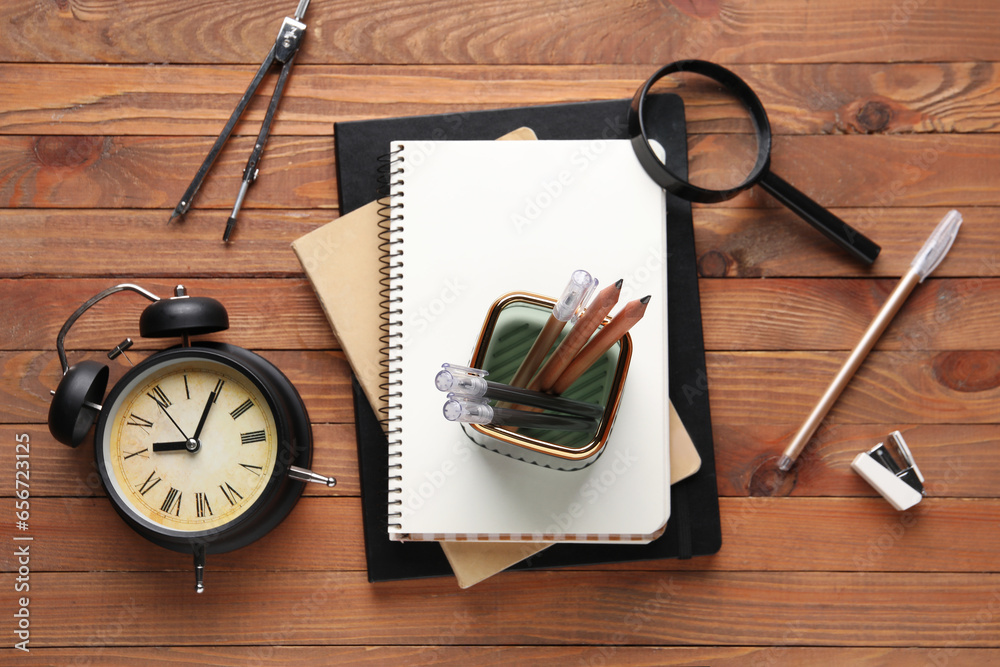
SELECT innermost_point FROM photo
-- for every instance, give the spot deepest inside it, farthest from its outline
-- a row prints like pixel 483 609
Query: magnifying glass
pixel 736 161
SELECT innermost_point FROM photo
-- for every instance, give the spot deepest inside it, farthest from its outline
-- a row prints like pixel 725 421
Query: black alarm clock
pixel 202 448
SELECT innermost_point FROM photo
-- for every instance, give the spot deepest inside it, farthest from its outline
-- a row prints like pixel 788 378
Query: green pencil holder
pixel 511 327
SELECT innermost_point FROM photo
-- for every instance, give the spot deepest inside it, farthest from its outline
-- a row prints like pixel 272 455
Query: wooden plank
pixel 892 387
pixel 847 535
pixel 447 654
pixel 58 471
pixel 774 242
pixel 263 314
pixel 141 243
pixel 738 314
pixel 758 535
pixel 833 314
pixel 321 377
pixel 878 171
pixel 297 172
pixel 957 459
pixel 730 242
pixel 942 610
pixel 152 172
pixel 197 100
pixel 320 534
pixel 523 31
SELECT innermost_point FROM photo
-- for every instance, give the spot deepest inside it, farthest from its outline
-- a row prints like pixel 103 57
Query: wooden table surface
pixel 885 111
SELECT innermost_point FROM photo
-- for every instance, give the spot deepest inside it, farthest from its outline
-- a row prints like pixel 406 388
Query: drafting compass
pixel 286 46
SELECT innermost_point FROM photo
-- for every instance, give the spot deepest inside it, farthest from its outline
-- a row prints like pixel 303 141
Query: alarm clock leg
pixel 199 568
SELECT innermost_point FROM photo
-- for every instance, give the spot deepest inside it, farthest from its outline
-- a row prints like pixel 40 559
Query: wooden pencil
pixel 631 313
pixel 577 337
pixel 539 349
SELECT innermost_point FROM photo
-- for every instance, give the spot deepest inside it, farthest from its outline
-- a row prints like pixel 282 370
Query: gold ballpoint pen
pixel 934 250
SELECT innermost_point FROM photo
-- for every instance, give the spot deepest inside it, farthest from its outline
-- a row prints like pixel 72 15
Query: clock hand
pixel 170 446
pixel 172 420
pixel 204 415
pixel 192 444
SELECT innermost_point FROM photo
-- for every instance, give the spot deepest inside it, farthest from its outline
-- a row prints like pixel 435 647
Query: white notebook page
pixel 484 218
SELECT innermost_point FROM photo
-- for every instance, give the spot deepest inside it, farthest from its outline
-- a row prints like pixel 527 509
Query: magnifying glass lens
pixel 721 136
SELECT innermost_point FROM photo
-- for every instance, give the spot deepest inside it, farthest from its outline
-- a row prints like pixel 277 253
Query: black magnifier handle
pixel 838 231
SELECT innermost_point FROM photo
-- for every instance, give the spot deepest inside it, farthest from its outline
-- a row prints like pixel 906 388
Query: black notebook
pixel 694 526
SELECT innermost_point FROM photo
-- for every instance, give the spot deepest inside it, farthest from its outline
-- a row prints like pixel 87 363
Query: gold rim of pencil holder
pixel 589 451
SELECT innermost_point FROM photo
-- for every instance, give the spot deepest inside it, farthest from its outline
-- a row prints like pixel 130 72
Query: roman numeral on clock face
pixel 160 398
pixel 173 498
pixel 136 420
pixel 202 507
pixel 217 390
pixel 252 437
pixel 230 493
pixel 241 409
pixel 252 468
pixel 149 483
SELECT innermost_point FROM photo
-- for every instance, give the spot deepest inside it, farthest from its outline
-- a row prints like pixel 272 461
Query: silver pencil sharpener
pixel 896 477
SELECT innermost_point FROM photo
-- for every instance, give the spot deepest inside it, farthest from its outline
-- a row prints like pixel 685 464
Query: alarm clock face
pixel 189 443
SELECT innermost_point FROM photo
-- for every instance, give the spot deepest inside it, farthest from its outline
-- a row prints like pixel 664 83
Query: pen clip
pixel 467 370
pixel 586 301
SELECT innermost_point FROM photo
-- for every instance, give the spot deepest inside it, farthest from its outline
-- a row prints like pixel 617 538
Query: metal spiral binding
pixel 391 172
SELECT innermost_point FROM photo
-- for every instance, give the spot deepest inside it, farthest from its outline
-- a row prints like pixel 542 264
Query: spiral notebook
pixel 473 220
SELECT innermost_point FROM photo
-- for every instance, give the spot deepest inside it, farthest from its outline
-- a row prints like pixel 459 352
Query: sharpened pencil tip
pixel 618 285
pixel 646 299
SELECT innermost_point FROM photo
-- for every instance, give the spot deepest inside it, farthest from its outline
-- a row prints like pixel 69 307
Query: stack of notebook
pixel 484 218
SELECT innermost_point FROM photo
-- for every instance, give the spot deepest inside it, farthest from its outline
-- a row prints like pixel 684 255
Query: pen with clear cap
pixel 571 345
pixel 934 250
pixel 472 383
pixel 581 285
pixel 477 411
